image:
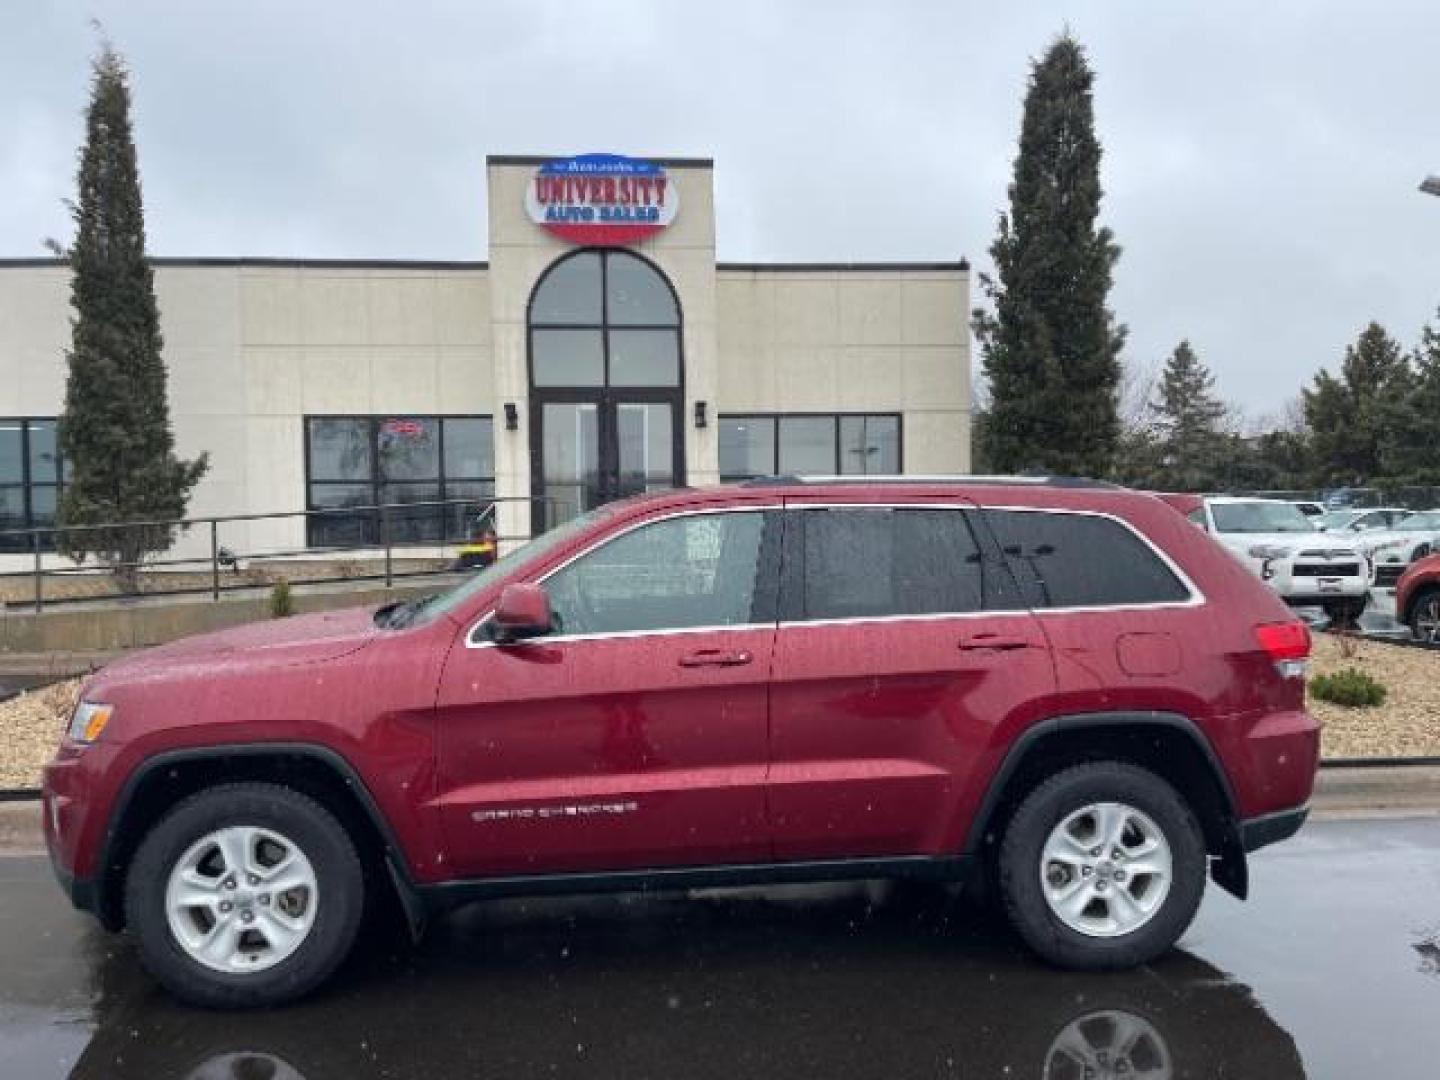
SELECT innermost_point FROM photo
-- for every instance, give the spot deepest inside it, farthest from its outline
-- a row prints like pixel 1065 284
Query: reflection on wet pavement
pixel 835 981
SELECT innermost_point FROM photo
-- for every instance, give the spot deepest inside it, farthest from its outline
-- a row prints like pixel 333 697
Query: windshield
pixel 1421 522
pixel 1336 519
pixel 1259 517
pixel 512 563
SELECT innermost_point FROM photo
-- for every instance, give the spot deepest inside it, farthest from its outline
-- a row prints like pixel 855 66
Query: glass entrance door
pixel 644 447
pixel 597 450
pixel 569 460
pixel 606 383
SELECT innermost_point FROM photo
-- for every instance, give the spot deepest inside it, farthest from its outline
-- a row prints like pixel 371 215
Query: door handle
pixel 994 643
pixel 715 658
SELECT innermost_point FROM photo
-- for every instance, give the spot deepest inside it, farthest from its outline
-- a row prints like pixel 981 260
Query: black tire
pixel 1049 804
pixel 340 889
pixel 1344 614
pixel 1425 607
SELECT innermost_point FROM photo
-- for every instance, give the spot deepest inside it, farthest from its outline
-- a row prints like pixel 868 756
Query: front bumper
pixel 1321 599
pixel 72 814
pixel 1267 829
pixel 81 891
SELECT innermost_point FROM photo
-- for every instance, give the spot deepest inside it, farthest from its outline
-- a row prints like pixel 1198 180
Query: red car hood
pixel 299 639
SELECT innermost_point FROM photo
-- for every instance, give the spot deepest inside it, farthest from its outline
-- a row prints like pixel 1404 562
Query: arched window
pixel 604 318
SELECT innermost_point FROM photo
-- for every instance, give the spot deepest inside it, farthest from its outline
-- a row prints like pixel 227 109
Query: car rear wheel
pixel 245 895
pixel 1102 866
pixel 1425 616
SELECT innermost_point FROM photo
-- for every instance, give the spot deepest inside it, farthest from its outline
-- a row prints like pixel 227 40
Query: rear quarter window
pixel 1081 560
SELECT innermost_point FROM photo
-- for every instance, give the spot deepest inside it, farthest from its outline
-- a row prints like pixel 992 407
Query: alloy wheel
pixel 1110 1043
pixel 1106 869
pixel 241 899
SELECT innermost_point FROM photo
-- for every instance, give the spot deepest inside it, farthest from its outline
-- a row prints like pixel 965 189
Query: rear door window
pixel 873 562
pixel 1082 560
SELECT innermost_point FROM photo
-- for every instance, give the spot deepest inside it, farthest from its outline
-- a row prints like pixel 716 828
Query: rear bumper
pixel 1267 829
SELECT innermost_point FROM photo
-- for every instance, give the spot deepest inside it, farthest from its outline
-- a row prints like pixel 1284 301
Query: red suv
pixel 1056 689
pixel 1417 599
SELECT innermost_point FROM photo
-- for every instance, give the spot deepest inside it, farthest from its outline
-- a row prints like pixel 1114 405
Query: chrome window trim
pixel 1196 598
pixel 747 508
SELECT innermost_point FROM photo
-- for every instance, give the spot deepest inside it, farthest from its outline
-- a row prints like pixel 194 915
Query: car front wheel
pixel 244 895
pixel 1102 866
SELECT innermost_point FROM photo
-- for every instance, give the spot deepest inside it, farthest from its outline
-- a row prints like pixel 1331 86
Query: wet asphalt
pixel 1331 970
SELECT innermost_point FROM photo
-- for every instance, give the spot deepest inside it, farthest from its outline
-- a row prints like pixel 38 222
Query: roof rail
pixel 797 480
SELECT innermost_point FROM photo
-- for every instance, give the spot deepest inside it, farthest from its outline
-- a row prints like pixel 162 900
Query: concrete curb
pixel 1341 794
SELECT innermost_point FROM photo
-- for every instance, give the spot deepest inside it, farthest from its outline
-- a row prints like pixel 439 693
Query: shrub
pixel 1351 687
pixel 281 602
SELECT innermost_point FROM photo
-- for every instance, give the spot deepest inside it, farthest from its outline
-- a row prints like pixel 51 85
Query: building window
pixel 849 444
pixel 366 461
pixel 31 478
pixel 604 318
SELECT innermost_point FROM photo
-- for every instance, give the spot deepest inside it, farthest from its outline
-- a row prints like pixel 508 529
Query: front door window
pixel 675 574
pixel 606 384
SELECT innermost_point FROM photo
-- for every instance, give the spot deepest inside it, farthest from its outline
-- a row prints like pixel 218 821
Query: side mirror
pixel 523 611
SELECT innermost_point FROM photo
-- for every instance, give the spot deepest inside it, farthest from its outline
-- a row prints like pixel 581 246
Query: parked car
pixel 1417 599
pixel 1281 547
pixel 1391 550
pixel 1056 691
pixel 1380 517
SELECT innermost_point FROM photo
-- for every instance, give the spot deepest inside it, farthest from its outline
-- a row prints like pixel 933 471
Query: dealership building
pixel 601 350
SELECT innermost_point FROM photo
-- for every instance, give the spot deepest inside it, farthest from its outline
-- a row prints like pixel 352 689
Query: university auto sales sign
pixel 601 199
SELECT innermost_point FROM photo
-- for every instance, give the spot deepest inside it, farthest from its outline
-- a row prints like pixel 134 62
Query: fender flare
pixel 105 907
pixel 1229 867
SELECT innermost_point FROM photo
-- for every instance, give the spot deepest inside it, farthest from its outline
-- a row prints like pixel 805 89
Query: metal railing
pixel 389 543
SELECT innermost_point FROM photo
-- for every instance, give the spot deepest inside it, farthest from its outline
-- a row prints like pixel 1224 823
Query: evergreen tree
pixel 1347 416
pixel 1410 419
pixel 1187 420
pixel 115 428
pixel 1051 347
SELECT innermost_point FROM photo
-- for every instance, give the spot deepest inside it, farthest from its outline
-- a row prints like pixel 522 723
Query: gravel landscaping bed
pixel 1407 725
pixel 30 726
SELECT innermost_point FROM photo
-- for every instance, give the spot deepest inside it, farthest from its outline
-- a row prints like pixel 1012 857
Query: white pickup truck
pixel 1306 567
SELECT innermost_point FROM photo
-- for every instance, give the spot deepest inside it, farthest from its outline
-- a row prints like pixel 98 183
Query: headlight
pixel 89 721
pixel 1390 546
pixel 1268 551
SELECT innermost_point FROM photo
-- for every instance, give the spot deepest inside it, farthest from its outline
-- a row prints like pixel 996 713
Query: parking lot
pixel 845 981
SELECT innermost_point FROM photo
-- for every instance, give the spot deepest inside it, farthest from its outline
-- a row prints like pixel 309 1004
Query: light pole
pixel 1430 185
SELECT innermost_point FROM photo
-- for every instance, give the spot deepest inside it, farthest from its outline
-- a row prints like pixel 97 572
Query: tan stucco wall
pixel 251 350
pixel 851 341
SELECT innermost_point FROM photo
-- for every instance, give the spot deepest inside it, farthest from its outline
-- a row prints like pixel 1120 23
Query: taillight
pixel 1287 644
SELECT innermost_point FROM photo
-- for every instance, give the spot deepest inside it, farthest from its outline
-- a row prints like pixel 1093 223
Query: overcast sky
pixel 1261 159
